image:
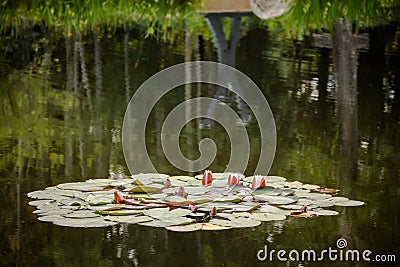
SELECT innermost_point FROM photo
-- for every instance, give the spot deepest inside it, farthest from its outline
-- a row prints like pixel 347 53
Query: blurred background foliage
pixel 168 18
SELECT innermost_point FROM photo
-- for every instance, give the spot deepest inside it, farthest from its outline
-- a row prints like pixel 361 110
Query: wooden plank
pixel 226 6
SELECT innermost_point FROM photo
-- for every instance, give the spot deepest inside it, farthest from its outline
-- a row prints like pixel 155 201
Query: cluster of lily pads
pixel 183 203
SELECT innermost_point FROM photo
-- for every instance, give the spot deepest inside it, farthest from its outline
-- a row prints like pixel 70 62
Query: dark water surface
pixel 62 107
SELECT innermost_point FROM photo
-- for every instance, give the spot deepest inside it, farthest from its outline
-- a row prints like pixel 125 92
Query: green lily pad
pixel 339 199
pixel 84 222
pixel 82 214
pixel 122 212
pixel 244 223
pixel 223 223
pixel 220 183
pixel 273 209
pixel 326 212
pixel 350 203
pixel 179 212
pixel 72 202
pixel 310 186
pixel 145 176
pixel 80 186
pixel 39 202
pixel 50 218
pixel 324 203
pixel 143 189
pixel 224 215
pixel 175 199
pixel 277 200
pixel 47 194
pixel 233 199
pixel 185 228
pixel 265 216
pixel 131 219
pixel 54 212
pixel 192 190
pixel 108 207
pixel 291 207
pixel 199 199
pixel 268 191
pixel 213 227
pixel 167 222
pixel 182 178
pixel 99 200
pixel 294 184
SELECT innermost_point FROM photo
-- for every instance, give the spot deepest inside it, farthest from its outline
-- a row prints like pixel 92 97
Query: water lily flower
pixel 233 179
pixel 118 198
pixel 258 181
pixel 207 178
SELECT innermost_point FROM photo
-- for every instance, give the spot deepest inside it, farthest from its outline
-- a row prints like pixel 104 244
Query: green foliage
pixel 157 17
pixel 307 16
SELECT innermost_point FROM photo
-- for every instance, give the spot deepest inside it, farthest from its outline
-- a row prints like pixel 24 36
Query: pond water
pixel 62 107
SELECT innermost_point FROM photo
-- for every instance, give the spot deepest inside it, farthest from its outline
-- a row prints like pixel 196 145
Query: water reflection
pixel 226 50
pixel 53 132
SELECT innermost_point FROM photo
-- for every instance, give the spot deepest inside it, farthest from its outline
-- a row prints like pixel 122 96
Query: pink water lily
pixel 207 178
pixel 258 181
pixel 233 179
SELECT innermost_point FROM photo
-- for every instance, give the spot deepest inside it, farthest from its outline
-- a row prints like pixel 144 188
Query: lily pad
pixel 145 176
pixel 244 223
pixel 326 212
pixel 324 203
pixel 233 199
pixel 294 184
pixel 168 222
pixel 84 222
pixel 182 178
pixel 99 200
pixel 199 199
pixel 219 183
pixel 131 219
pixel 143 189
pixel 120 213
pixel 350 203
pixel 47 194
pixel 80 186
pixel 268 190
pixel 339 199
pixel 265 216
pixel 277 200
pixel 310 186
pixel 275 179
pixel 39 202
pixel 179 212
pixel 273 209
pixel 82 214
pixel 223 223
pixel 213 227
pixel 54 212
pixel 50 218
pixel 192 190
pixel 89 204
pixel 185 228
